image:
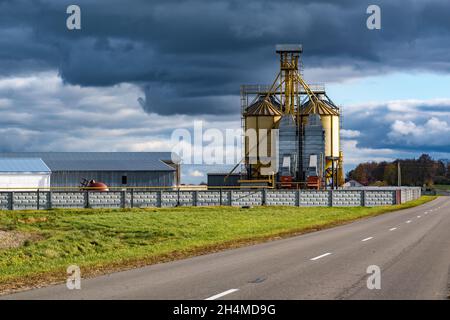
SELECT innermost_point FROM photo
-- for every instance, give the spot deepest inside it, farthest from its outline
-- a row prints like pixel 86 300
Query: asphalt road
pixel 411 247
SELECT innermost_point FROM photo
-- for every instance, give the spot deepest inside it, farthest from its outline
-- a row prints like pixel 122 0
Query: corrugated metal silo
pixel 329 117
pixel 313 145
pixel 261 116
pixel 288 146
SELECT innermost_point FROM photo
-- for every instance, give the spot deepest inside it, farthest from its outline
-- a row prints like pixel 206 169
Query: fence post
pixel 220 196
pixel 132 198
pixel 195 200
pixel 86 199
pixel 12 200
pixel 123 198
pixel 159 198
pixel 49 200
pixel 38 200
pixel 363 200
pixel 264 196
pixel 331 197
pixel 297 197
pixel 178 197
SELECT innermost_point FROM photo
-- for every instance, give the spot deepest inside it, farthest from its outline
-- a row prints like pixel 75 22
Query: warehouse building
pixel 23 174
pixel 115 169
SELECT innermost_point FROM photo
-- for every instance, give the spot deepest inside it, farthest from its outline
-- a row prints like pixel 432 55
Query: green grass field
pixel 104 240
pixel 442 187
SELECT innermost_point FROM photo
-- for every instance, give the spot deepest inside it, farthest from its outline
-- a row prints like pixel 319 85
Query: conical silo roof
pixel 264 106
pixel 324 107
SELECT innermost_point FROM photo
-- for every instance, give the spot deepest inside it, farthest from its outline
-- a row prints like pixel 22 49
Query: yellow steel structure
pixel 265 114
pixel 288 85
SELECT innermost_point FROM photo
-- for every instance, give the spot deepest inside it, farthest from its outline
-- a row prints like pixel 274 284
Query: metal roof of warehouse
pixel 23 165
pixel 108 165
pixel 100 161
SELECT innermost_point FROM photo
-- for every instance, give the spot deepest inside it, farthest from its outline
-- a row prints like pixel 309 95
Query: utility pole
pixel 399 174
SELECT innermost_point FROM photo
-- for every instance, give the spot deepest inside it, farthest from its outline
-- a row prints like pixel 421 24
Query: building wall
pixel 114 178
pixel 22 181
pixel 171 198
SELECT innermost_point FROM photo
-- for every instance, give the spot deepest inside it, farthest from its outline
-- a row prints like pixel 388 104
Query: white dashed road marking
pixel 367 239
pixel 217 296
pixel 392 229
pixel 321 256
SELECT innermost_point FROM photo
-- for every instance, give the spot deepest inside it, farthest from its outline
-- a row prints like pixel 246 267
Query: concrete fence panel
pixel 32 200
pixel 347 198
pixel 314 198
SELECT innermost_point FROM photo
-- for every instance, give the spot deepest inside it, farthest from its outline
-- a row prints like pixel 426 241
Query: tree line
pixel 413 172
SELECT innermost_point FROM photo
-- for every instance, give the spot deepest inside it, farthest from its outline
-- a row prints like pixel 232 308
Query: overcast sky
pixel 139 69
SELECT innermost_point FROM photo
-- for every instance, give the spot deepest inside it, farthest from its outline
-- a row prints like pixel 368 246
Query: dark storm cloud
pixel 189 55
pixel 40 112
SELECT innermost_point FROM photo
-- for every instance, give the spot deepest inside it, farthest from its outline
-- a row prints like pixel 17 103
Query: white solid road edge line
pixel 366 239
pixel 392 229
pixel 321 256
pixel 219 295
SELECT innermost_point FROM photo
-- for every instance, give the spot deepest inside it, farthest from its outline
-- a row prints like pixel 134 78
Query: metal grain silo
pixel 260 118
pixel 329 117
pixel 313 145
pixel 288 146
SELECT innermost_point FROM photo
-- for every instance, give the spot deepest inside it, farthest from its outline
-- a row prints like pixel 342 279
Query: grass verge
pixel 445 187
pixel 107 240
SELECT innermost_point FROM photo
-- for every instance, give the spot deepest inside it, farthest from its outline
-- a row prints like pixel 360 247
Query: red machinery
pixel 92 185
pixel 286 182
pixel 313 182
